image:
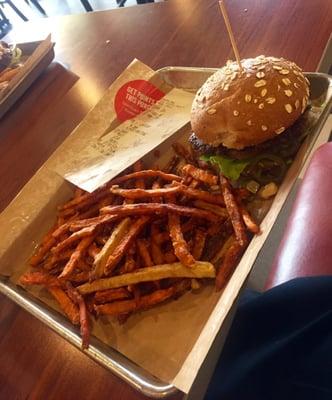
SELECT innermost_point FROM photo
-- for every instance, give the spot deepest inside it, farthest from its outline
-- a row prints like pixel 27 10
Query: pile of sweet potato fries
pixel 141 239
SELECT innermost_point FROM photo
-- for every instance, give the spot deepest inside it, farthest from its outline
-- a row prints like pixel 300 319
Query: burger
pixel 10 56
pixel 249 122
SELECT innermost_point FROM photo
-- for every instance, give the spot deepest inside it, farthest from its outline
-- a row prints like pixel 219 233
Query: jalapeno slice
pixel 267 168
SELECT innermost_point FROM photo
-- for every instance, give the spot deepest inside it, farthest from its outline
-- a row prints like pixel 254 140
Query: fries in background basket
pixel 140 240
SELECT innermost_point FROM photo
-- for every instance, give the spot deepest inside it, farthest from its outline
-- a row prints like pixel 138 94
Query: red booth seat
pixel 306 246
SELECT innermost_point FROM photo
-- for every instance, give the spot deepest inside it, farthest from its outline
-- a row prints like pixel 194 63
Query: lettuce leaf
pixel 229 167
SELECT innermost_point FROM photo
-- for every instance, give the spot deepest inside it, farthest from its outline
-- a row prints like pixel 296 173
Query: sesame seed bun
pixel 240 109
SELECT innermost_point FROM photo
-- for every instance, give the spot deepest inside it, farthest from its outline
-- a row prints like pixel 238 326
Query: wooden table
pixel 35 363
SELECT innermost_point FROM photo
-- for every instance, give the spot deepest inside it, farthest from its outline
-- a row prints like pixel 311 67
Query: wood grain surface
pixel 94 48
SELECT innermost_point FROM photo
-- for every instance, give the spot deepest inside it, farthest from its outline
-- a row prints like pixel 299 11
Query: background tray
pixel 27 49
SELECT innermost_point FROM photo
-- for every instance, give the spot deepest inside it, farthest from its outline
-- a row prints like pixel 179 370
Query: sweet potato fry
pixel 106 296
pixel 221 211
pixel 93 210
pixel 141 193
pixel 194 184
pixel 171 165
pixel 184 153
pixel 122 247
pixel 161 237
pixel 107 201
pixel 157 208
pixel 187 180
pixel 199 243
pixel 101 240
pixel 214 229
pixel 143 251
pixel 60 221
pixel 122 318
pixel 53 259
pixel 78 192
pixel 87 200
pixel 177 188
pixel 201 195
pixel 75 257
pixel 135 291
pixel 189 225
pixel 228 265
pixel 148 173
pixel 233 211
pixel 39 278
pixel 65 303
pixel 61 230
pixel 139 183
pixel 156 185
pixel 47 243
pixel 130 264
pixel 138 166
pixel 128 201
pixel 93 250
pixel 190 244
pixel 249 221
pixel 169 257
pixel 96 221
pixel 85 232
pixel 224 248
pixel 147 301
pixel 9 74
pixel 112 243
pixel 200 174
pixel 83 314
pixel 79 277
pixel 176 270
pixel 156 253
pixel 83 265
pixel 179 244
pixel 68 214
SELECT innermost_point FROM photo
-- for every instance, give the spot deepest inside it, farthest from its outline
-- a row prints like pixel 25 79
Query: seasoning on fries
pixel 157 209
pixel 109 247
pixel 180 246
pixel 83 314
pixel 140 240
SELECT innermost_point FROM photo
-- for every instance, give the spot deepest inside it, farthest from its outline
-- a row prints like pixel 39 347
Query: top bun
pixel 240 109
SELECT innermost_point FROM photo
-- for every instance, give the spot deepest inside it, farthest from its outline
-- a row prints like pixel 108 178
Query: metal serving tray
pixel 189 79
pixel 27 49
